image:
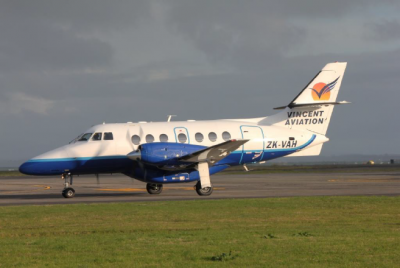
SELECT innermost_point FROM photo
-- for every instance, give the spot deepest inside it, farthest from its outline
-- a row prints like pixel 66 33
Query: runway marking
pixel 362 180
pixel 144 190
pixel 45 187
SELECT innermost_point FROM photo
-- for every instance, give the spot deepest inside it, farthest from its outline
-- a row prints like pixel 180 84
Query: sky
pixel 68 65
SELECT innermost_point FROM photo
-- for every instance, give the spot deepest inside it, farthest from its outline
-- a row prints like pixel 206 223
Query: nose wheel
pixel 68 191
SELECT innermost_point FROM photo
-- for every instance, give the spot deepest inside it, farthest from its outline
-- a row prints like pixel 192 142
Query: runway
pixel 27 190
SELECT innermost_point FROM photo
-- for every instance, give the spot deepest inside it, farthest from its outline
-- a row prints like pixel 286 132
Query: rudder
pixel 312 108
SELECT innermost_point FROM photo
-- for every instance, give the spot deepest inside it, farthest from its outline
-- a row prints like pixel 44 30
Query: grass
pixel 275 232
pixel 13 173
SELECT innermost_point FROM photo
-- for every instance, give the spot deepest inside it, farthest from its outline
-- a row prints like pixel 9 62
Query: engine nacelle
pixel 164 153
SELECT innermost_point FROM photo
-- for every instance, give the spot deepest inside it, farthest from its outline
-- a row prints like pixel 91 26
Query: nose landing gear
pixel 68 191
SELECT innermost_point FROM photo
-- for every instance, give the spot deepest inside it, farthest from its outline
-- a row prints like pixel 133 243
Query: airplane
pixel 159 153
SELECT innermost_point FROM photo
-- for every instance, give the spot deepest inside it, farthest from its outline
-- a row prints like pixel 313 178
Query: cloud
pixel 82 62
pixel 386 30
pixel 251 34
pixel 63 35
pixel 233 33
pixel 38 46
pixel 79 15
pixel 18 103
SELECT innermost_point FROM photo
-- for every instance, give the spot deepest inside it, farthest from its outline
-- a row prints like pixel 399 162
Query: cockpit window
pixel 108 136
pixel 85 137
pixel 97 136
pixel 76 139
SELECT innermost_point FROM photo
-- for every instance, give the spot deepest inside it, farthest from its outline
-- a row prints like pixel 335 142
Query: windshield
pixel 85 137
pixel 76 139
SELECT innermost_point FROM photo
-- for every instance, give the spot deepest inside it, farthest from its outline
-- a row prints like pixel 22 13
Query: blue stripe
pixel 79 158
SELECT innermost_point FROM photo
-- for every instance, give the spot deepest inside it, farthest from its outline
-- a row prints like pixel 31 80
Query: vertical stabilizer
pixel 312 108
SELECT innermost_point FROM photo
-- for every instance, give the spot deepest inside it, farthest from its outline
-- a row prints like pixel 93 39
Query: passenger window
pixel 135 139
pixel 149 138
pixel 97 136
pixel 199 137
pixel 85 137
pixel 163 138
pixel 226 135
pixel 182 138
pixel 212 136
pixel 108 136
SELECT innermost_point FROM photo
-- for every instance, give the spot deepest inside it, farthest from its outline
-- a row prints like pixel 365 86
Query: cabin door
pixel 253 150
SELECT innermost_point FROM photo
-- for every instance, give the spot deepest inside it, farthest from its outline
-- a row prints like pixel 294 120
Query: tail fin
pixel 311 110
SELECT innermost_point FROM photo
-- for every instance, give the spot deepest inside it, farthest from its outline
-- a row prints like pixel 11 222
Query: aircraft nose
pixel 27 168
pixel 51 163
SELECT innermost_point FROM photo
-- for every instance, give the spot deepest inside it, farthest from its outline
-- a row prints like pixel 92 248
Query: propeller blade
pixel 129 139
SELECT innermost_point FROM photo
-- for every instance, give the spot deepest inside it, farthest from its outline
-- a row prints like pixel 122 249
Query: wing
pixel 158 160
pixel 214 153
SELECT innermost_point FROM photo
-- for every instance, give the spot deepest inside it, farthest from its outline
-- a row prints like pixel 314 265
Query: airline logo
pixel 322 91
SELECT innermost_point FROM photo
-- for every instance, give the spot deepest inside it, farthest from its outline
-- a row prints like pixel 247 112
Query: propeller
pixel 141 135
pixel 136 153
pixel 132 131
pixel 129 139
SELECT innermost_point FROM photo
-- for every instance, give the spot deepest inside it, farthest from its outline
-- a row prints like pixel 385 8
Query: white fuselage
pixel 262 138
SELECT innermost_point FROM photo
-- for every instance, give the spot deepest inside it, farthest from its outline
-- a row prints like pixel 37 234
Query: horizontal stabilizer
pixel 317 105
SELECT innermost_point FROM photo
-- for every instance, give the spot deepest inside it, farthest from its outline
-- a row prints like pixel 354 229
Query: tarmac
pixel 27 190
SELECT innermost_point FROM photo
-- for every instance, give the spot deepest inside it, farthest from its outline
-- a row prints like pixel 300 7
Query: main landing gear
pixel 203 186
pixel 68 191
pixel 203 191
pixel 154 188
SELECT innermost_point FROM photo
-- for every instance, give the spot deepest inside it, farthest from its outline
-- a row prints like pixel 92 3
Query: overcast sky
pixel 67 65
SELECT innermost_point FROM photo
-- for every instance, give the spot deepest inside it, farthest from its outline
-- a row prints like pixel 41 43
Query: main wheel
pixel 203 191
pixel 68 192
pixel 154 188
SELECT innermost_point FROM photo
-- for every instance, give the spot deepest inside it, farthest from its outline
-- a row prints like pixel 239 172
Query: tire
pixel 203 191
pixel 68 192
pixel 154 188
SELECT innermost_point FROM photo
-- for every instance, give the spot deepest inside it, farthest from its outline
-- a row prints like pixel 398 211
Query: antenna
pixel 169 117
